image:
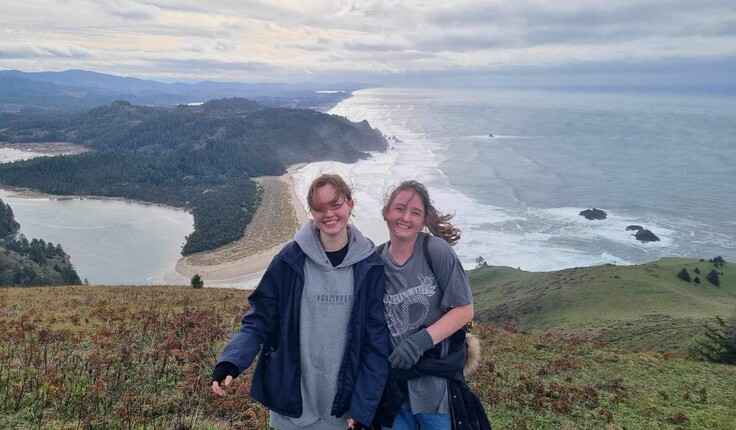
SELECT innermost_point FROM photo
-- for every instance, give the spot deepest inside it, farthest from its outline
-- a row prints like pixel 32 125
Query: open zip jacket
pixel 466 409
pixel 272 327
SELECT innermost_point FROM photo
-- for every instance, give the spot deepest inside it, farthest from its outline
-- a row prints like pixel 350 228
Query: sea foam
pixel 518 233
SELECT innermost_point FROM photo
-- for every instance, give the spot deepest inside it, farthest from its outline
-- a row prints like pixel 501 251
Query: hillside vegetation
pixel 141 357
pixel 34 262
pixel 643 306
pixel 195 157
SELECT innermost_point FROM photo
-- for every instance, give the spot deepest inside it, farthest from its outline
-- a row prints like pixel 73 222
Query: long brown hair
pixel 328 179
pixel 436 222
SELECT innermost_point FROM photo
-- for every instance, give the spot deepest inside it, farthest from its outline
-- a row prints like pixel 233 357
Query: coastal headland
pixel 242 263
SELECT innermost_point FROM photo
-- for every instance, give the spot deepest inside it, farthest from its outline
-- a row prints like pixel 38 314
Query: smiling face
pixel 331 211
pixel 405 216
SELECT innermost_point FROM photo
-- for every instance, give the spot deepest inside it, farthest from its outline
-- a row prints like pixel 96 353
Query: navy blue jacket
pixel 272 326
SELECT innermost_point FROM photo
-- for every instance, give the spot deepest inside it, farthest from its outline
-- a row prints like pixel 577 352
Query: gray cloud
pixel 222 46
pixel 257 38
pixel 44 51
pixel 364 45
pixel 538 23
pixel 320 44
pixel 130 9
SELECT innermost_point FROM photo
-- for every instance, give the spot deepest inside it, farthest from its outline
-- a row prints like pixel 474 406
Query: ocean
pixel 666 162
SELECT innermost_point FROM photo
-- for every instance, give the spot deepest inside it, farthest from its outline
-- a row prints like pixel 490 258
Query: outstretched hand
pixel 218 389
pixel 222 376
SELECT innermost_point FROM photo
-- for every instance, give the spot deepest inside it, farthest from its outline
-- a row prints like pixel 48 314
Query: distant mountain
pixel 643 306
pixel 84 89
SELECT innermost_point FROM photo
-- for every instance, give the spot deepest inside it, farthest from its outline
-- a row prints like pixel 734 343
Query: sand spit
pixel 47 148
pixel 242 263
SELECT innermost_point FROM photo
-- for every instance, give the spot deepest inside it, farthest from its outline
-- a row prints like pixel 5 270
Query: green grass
pixel 643 306
pixel 545 381
pixel 141 357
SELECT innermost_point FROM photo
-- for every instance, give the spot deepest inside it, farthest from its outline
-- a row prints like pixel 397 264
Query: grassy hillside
pixel 140 357
pixel 644 306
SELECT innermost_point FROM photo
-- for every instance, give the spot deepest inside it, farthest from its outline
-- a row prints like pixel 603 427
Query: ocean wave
pixel 517 234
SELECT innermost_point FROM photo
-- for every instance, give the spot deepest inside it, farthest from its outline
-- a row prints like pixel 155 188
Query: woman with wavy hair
pixel 428 303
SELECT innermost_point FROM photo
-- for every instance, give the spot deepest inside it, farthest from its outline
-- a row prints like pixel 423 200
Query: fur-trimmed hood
pixel 473 357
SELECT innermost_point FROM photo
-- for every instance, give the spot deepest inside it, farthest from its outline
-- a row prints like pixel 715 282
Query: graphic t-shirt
pixel 416 299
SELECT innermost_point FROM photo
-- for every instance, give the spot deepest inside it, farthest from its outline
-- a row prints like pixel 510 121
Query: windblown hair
pixel 436 222
pixel 328 179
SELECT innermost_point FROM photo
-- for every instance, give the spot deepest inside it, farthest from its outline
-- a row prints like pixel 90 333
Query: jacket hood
pixel 359 248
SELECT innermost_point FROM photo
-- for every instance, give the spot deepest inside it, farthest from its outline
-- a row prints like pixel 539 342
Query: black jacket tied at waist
pixel 466 410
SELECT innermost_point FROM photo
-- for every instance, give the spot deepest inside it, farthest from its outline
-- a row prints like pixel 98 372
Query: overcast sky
pixel 373 40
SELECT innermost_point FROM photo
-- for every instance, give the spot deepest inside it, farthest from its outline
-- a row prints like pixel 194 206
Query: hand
pixel 408 352
pixel 222 376
pixel 357 425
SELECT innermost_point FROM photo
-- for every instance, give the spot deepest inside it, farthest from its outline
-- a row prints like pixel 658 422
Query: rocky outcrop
pixel 634 228
pixel 594 214
pixel 645 235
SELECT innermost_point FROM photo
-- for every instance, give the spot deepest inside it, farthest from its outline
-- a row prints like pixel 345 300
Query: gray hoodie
pixel 325 312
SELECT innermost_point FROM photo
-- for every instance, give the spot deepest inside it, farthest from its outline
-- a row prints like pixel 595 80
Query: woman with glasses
pixel 317 318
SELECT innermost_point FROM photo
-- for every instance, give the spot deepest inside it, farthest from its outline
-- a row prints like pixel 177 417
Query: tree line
pixel 34 262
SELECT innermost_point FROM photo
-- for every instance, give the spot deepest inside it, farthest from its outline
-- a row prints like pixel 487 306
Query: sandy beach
pixel 242 263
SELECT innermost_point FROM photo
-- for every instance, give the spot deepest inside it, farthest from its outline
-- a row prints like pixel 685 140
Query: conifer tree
pixel 197 281
pixel 719 345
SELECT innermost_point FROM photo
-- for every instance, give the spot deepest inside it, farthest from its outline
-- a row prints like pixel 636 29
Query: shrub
pixel 718 260
pixel 684 275
pixel 719 345
pixel 713 278
pixel 197 281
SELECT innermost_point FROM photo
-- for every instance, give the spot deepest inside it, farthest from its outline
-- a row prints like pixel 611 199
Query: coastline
pixel 45 149
pixel 241 264
pixel 237 265
pixel 29 193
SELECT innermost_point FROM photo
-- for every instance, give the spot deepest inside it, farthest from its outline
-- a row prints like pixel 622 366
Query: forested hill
pixel 265 140
pixel 197 157
pixel 34 262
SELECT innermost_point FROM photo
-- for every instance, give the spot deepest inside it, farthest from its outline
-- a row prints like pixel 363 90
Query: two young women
pixel 318 317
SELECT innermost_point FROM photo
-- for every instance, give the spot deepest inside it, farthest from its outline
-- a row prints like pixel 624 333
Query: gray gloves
pixel 407 353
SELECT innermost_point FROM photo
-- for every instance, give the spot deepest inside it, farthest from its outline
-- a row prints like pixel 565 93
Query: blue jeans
pixel 406 421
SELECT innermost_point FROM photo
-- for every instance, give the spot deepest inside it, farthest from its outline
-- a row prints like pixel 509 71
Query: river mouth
pixel 110 241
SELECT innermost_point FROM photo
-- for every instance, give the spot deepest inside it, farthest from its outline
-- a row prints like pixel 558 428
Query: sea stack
pixel 594 214
pixel 645 235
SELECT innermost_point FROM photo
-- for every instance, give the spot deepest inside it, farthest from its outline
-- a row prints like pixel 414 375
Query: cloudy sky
pixel 373 40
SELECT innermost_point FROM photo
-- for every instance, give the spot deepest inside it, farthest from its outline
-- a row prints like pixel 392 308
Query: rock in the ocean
pixel 593 214
pixel 645 235
pixel 634 228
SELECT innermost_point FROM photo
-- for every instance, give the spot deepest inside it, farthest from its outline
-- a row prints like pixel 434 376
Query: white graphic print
pixel 398 317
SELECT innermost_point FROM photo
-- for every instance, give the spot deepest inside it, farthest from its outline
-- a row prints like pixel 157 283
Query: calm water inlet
pixel 110 242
